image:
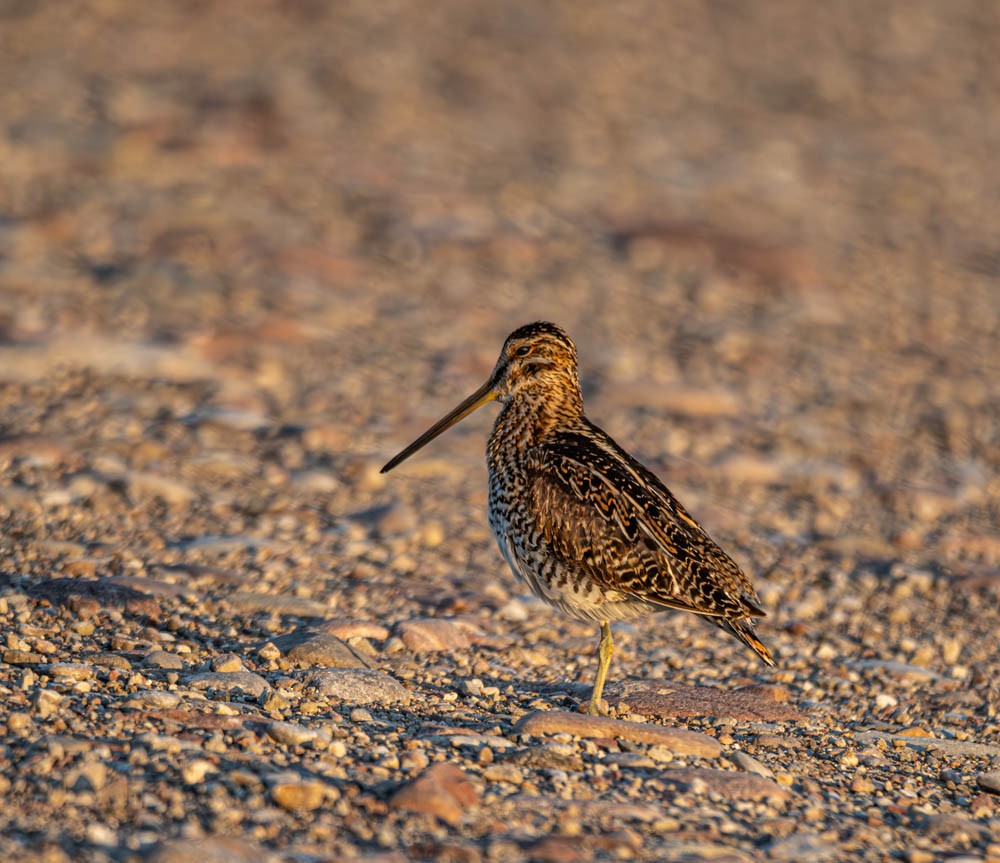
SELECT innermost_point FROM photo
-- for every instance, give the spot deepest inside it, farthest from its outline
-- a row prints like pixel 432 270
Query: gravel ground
pixel 248 251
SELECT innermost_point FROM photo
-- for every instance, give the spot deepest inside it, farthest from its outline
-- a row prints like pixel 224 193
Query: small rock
pixel 862 785
pixel 157 699
pixel 548 757
pixel 442 790
pixel 750 764
pixel 22 657
pixel 227 662
pixel 70 591
pixel 230 681
pixel 46 702
pixel 69 670
pixel 92 776
pixel 111 660
pixel 563 722
pixel 557 849
pixel 513 611
pixel 424 635
pixel 953 827
pixel 171 491
pixel 990 781
pixel 801 846
pixel 358 686
pixel 728 784
pixel 749 703
pixel 276 603
pixel 291 734
pixel 302 796
pixel 163 659
pixel 212 849
pixel 344 629
pixel 268 652
pixel 194 772
pixel 503 773
pixel 101 834
pixel 310 649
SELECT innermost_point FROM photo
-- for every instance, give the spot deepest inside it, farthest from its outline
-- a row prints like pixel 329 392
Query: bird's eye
pixel 523 351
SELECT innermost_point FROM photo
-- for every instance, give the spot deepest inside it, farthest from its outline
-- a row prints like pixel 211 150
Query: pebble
pixel 157 699
pixel 22 657
pixel 750 764
pixel 169 489
pixel 291 734
pixel 728 784
pixel 750 703
pixel 194 772
pixel 227 662
pixel 442 790
pixel 212 849
pixel 275 604
pixel 432 634
pixel 678 740
pixel 230 681
pixel 46 702
pixel 990 781
pixel 163 659
pixel 69 670
pixel 359 686
pixel 300 796
pixel 345 629
pixel 309 649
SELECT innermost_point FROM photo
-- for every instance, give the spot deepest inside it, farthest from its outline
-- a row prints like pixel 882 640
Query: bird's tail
pixel 743 630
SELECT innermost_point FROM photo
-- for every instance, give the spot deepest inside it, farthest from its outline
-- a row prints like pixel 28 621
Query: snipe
pixel 588 528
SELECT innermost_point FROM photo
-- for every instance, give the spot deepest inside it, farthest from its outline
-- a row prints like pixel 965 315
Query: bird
pixel 587 527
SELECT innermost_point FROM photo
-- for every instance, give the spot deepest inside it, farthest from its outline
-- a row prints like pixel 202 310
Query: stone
pixel 46 702
pixel 230 681
pixel 212 849
pixel 22 657
pixel 728 784
pixel 299 796
pixel 163 659
pixel 344 629
pixel 426 635
pixel 195 771
pixel 989 781
pixel 442 790
pixel 68 591
pixel 291 734
pixel 677 701
pixel 307 648
pixel 69 670
pixel 281 603
pixel 359 686
pixel 750 764
pixel 679 740
pixel 227 662
pixel 157 699
pixel 170 490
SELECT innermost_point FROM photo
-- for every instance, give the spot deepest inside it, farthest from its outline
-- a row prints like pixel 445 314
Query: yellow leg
pixel 604 653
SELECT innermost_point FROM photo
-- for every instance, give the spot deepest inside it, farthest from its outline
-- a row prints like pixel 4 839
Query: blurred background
pixel 770 227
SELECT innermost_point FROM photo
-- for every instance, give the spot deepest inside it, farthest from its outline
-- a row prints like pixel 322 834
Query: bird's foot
pixel 595 708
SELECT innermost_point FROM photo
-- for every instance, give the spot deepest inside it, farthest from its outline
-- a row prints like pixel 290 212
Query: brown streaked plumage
pixel 588 528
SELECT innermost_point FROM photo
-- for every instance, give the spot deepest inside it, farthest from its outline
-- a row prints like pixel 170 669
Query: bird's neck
pixel 536 412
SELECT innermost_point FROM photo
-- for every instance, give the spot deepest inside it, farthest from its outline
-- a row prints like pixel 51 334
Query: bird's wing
pixel 600 509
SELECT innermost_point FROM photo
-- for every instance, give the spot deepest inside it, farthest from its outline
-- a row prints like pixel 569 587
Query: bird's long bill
pixel 480 397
